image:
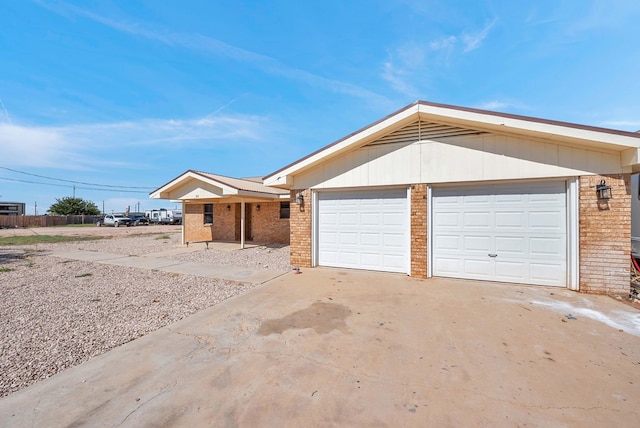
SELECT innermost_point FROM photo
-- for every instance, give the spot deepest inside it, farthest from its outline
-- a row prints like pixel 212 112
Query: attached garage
pixel 479 195
pixel 509 233
pixel 364 230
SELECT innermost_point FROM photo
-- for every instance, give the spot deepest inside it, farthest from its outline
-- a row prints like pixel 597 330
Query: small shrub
pixel 83 275
pixel 163 237
pixel 5 269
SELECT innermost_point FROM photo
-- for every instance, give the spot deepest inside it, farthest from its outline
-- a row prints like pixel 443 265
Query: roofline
pixel 206 177
pixel 530 119
pixel 463 109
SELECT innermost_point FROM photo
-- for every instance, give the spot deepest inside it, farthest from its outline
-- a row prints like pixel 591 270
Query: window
pixel 285 210
pixel 208 213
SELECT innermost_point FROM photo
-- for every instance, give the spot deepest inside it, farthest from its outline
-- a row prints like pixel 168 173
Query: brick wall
pixel 266 224
pixel 224 222
pixel 419 230
pixel 605 235
pixel 193 221
pixel 300 226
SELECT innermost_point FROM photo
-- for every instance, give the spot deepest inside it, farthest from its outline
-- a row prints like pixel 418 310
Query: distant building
pixel 12 208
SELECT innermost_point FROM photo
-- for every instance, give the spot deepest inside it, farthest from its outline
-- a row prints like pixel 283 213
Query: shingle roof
pixel 251 184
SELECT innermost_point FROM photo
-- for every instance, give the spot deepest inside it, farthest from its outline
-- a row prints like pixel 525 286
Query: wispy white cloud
pixel 474 40
pixel 5 112
pixel 396 77
pixel 83 146
pixel 445 43
pixel 209 45
pixel 493 105
pixel 502 105
pixel 602 14
pixel 411 62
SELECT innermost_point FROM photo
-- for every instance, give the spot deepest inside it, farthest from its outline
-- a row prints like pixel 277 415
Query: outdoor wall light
pixel 603 191
pixel 258 207
pixel 228 207
pixel 300 199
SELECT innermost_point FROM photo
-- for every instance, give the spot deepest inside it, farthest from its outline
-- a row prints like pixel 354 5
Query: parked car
pixel 139 220
pixel 114 220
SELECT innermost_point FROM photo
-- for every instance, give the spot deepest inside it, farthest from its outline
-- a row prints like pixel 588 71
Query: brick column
pixel 419 230
pixel 605 235
pixel 300 227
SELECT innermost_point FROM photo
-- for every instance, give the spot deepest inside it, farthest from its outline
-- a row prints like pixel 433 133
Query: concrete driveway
pixel 348 348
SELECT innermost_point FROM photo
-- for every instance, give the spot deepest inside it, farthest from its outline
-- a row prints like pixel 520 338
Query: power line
pixel 76 182
pixel 76 187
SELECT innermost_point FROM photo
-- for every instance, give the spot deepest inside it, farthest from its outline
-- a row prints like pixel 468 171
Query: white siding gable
pixel 468 155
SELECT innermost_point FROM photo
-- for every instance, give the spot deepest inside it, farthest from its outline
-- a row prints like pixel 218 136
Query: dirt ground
pixel 90 230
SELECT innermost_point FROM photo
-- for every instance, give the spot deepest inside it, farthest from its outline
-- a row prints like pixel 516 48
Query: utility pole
pixel 35 208
pixel 74 190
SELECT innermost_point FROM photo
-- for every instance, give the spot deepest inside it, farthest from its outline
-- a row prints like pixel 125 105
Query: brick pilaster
pixel 419 230
pixel 605 235
pixel 300 227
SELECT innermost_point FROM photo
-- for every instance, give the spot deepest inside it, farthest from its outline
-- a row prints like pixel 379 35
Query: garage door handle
pixel 492 255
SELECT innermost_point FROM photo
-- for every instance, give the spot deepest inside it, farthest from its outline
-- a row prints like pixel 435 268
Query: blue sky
pixel 124 96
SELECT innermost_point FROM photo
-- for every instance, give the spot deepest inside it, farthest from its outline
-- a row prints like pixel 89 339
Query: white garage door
pixel 510 233
pixel 364 230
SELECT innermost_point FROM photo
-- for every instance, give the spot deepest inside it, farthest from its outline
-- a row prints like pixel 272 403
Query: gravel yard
pixel 57 313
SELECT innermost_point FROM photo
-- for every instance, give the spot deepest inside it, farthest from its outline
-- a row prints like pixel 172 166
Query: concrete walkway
pixel 158 261
pixel 335 347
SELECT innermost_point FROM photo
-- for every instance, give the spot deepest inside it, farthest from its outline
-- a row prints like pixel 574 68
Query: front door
pixel 248 236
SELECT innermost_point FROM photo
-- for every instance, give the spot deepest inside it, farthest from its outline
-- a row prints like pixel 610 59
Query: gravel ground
pixel 57 313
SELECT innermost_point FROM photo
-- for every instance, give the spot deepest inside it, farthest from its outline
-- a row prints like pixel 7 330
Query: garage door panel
pixel 511 245
pixel 329 237
pixel 522 225
pixel 510 220
pixel 448 266
pixel 553 220
pixel 447 242
pixel 480 269
pixel 371 228
pixel 510 270
pixel 509 199
pixel 370 259
pixel 547 246
pixel 369 219
pixel 391 219
pixel 394 262
pixel 546 199
pixel 394 240
pixel 448 219
pixel 547 273
pixel 348 238
pixel 329 219
pixel 475 200
pixel 370 239
pixel 348 219
pixel 330 256
pixel 480 219
pixel 473 243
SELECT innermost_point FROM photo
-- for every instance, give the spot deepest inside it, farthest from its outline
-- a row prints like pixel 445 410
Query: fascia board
pixel 249 193
pixel 165 191
pixel 523 126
